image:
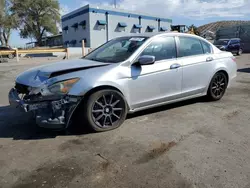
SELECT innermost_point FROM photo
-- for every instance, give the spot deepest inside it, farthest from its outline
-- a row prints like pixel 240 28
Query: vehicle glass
pixel 206 47
pixel 234 41
pixel 189 46
pixel 116 50
pixel 221 42
pixel 162 48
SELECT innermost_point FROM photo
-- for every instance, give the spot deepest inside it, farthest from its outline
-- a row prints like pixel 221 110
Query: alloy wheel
pixel 219 85
pixel 107 110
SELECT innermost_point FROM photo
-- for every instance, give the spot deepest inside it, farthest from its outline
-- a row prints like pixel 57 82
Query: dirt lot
pixel 189 144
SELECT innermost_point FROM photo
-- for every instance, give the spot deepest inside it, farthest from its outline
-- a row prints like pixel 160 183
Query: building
pixel 49 41
pixel 97 25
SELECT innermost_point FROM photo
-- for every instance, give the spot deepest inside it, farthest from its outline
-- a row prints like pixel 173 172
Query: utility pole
pixel 115 3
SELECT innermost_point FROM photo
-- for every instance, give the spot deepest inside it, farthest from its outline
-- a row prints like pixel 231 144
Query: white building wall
pixel 115 31
pixel 78 34
pixel 166 24
pixel 97 33
pixel 145 23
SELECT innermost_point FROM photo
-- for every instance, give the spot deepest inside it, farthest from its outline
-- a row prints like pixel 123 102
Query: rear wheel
pixel 239 52
pixel 217 87
pixel 105 110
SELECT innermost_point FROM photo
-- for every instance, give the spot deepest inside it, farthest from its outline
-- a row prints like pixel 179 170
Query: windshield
pixel 116 50
pixel 221 42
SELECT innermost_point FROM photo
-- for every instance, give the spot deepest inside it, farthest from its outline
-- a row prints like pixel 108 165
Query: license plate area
pixel 37 106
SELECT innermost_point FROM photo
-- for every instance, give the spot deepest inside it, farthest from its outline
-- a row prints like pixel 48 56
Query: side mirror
pixel 146 60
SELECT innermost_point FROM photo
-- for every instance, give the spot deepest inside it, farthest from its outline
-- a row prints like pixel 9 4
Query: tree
pixel 194 28
pixel 36 17
pixel 7 22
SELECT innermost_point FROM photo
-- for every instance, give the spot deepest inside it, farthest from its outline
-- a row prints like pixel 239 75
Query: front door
pixel 158 82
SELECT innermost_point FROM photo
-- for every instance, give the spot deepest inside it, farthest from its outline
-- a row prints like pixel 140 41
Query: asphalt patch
pixel 58 174
pixel 156 152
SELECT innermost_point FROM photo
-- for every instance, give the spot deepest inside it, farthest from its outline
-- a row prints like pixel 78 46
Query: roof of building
pixel 112 11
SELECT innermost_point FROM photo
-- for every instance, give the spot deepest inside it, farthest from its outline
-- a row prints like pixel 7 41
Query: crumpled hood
pixel 35 76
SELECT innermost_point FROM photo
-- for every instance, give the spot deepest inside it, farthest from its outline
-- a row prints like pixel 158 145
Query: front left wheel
pixel 105 110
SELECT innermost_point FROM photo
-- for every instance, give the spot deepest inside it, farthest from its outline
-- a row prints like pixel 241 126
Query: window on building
pixel 85 41
pixel 189 46
pixel 66 29
pixel 75 26
pixel 163 29
pixel 162 48
pixel 83 24
pixel 73 42
pixel 150 28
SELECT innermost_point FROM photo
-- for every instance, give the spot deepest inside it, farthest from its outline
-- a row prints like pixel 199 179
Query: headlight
pixel 62 87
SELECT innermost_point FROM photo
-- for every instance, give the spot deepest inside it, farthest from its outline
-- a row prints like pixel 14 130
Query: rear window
pixel 234 41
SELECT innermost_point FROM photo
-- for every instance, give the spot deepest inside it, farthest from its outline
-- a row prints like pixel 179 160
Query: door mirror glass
pixel 146 60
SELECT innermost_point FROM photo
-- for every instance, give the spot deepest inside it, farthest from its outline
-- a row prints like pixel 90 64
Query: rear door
pixel 197 59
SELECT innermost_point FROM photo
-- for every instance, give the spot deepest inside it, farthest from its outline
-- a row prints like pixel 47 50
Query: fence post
pixel 17 55
pixel 83 48
pixel 67 53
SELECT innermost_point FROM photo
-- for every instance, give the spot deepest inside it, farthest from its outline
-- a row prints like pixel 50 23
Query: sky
pixel 186 12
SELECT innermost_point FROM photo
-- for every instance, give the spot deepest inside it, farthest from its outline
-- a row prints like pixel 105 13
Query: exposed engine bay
pixel 50 111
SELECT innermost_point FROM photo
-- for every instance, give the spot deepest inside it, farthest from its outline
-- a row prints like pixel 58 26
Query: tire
pixel 239 52
pixel 217 86
pixel 10 56
pixel 105 110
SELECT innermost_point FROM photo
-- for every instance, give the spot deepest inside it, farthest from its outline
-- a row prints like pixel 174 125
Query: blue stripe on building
pixel 111 12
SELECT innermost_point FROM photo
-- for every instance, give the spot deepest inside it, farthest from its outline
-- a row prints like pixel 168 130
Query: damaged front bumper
pixel 54 113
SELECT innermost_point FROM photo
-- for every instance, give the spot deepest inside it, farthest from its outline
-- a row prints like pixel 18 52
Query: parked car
pixel 231 45
pixel 6 48
pixel 124 75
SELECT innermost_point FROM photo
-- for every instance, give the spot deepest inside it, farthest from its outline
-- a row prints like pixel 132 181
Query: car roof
pixel 152 34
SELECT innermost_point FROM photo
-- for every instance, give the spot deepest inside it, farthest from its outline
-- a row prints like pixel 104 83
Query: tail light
pixel 233 58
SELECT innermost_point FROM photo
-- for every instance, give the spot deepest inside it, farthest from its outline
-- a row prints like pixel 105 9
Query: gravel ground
pixel 191 144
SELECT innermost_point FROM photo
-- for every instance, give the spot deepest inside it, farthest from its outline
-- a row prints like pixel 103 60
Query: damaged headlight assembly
pixel 62 87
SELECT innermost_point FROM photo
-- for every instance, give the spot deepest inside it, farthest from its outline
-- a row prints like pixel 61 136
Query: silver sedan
pixel 124 75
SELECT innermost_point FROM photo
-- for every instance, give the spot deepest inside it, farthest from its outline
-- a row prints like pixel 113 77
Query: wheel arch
pixel 225 72
pixel 222 69
pixel 101 87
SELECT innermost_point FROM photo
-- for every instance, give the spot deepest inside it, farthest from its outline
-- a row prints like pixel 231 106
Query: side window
pixel 162 48
pixel 234 42
pixel 189 46
pixel 206 47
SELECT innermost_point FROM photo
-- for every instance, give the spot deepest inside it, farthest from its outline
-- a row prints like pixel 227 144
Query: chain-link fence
pixel 239 31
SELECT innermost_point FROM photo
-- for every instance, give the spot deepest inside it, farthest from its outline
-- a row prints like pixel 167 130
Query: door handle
pixel 175 66
pixel 209 59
